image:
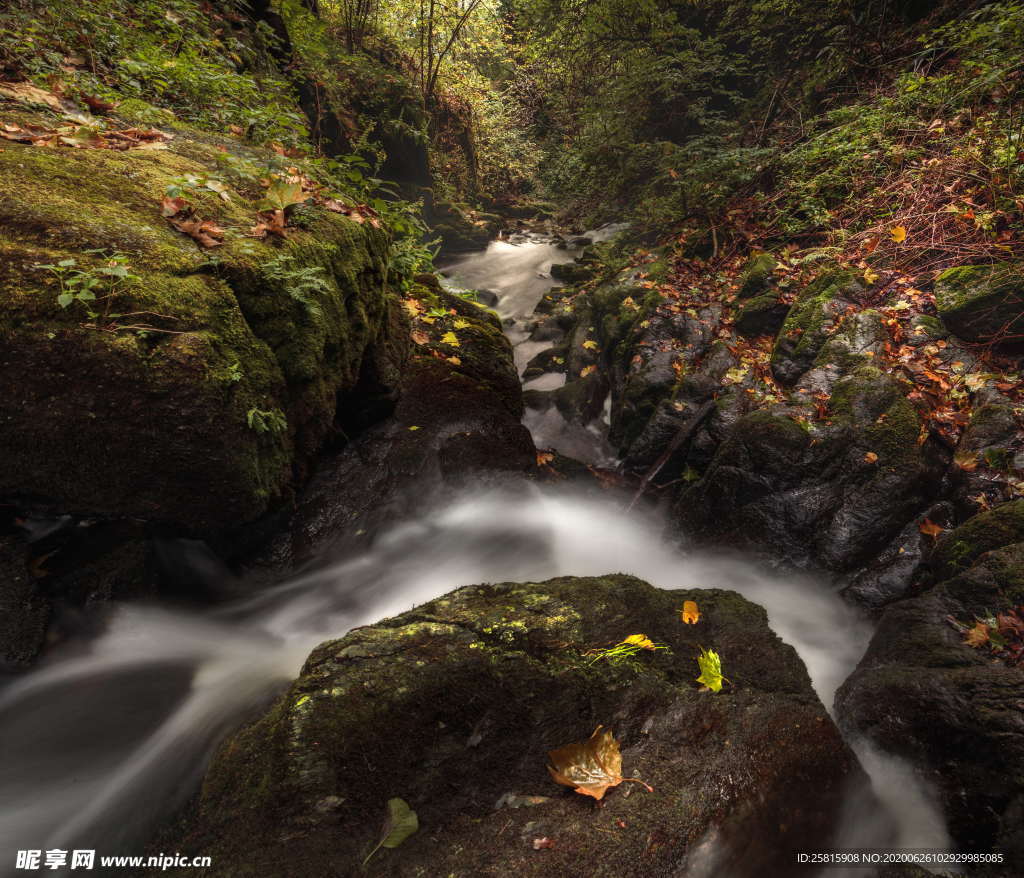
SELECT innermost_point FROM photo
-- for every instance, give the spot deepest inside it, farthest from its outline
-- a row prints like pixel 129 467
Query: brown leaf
pixel 26 93
pixel 1010 624
pixel 203 232
pixel 977 636
pixel 269 222
pixel 590 767
pixel 870 457
pixel 544 458
pixel 172 206
pixel 419 336
pixel 544 843
pixel 98 105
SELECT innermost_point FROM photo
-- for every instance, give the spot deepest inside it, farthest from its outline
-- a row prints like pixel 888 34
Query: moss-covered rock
pixel 757 275
pixel 762 315
pixel 983 303
pixel 812 320
pixel 953 711
pixel 151 414
pixel 958 549
pixel 454 705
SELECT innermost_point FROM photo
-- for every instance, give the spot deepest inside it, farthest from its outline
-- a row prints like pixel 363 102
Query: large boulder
pixel 453 707
pixel 200 405
pixel 830 495
pixel 983 303
pixel 956 712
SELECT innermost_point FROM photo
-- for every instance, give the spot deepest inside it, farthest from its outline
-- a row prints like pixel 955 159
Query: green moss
pixel 158 431
pixel 756 275
pixel 988 530
pixel 982 302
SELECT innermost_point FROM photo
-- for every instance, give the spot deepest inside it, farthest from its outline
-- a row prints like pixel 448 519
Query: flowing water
pixel 110 735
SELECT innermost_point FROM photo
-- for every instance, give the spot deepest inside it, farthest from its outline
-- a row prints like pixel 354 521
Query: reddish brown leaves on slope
pixel 182 216
pixel 590 767
pixel 86 136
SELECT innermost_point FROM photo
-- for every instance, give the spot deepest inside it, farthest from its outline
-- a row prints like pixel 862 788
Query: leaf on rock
pixel 590 767
pixel 282 194
pixel 203 232
pixel 400 823
pixel 544 458
pixel 978 635
pixel 27 93
pixel 587 370
pixel 966 460
pixel 710 664
pixel 930 528
pixel 449 338
pixel 590 344
pixel 172 206
pixel 419 336
pixel 871 457
pixel 689 614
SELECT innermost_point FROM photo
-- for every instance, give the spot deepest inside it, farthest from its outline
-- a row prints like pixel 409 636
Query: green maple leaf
pixel 710 664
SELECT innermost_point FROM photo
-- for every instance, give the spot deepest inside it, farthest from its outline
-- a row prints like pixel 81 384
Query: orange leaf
pixel 898 234
pixel 930 528
pixel 689 613
pixel 870 457
pixel 544 457
pixel 590 767
pixel 977 636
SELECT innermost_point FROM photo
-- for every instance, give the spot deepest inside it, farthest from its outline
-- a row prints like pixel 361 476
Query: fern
pixel 303 284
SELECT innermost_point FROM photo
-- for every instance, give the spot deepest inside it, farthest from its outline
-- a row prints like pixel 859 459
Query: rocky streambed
pixel 453 705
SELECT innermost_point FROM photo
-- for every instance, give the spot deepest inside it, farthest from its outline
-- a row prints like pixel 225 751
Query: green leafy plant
pixel 302 283
pixel 91 284
pixel 272 421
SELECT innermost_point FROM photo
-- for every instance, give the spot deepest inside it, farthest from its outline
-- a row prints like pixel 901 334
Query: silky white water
pixel 109 735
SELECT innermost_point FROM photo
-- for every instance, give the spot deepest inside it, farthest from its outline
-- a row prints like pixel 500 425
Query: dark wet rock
pixel 818 499
pixel 983 303
pixel 571 272
pixel 762 315
pixel 993 529
pixel 456 424
pixel 454 705
pixel 813 319
pixel 892 574
pixel 953 711
pixel 581 400
pixel 24 611
pixel 459 232
pixel 757 276
pixel 577 241
pixel 551 360
pixel 539 400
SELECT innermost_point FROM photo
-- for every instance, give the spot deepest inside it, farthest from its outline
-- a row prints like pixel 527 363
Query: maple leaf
pixel 590 344
pixel 977 636
pixel 449 338
pixel 461 324
pixel 710 664
pixel 930 528
pixel 203 232
pixel 590 767
pixel 870 276
pixel 898 234
pixel 689 613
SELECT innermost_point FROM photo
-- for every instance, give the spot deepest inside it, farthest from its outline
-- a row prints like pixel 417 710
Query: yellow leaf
pixel 870 276
pixel 413 428
pixel 412 307
pixel 590 344
pixel 586 370
pixel 898 234
pixel 641 640
pixel 461 324
pixel 710 664
pixel 689 613
pixel 455 361
pixel 449 339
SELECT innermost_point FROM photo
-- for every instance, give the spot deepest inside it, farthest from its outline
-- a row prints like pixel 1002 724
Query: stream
pixel 110 734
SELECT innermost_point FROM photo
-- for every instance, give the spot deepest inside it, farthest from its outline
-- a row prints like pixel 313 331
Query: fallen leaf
pixel 282 194
pixel 870 457
pixel 98 105
pixel 544 457
pixel 203 232
pixel 400 823
pixel 172 206
pixel 898 234
pixel 590 767
pixel 586 370
pixel 977 636
pixel 590 344
pixel 27 93
pixel 930 528
pixel 641 640
pixel 710 664
pixel 455 361
pixel 413 428
pixel 689 613
pixel 870 276
pixel 449 338
pixel 544 843
pixel 966 460
pixel 461 324
pixel 419 336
